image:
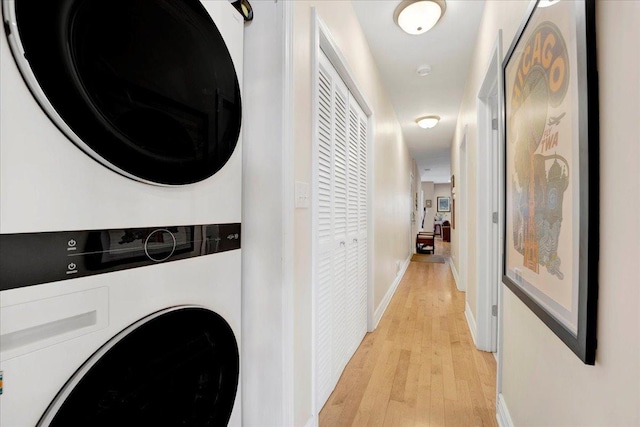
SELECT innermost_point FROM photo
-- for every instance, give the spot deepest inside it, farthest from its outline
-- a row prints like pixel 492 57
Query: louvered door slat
pixel 340 310
pixel 352 204
pixel 340 162
pixel 325 161
pixel 361 325
pixel 363 179
pixel 324 327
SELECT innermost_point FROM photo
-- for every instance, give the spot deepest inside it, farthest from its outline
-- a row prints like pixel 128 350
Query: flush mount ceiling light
pixel 547 3
pixel 418 16
pixel 428 122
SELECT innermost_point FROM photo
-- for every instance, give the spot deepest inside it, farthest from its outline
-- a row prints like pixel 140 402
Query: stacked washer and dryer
pixel 120 190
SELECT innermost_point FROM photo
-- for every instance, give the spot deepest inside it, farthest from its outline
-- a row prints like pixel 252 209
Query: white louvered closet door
pixel 340 206
pixel 357 322
pixel 359 238
pixel 341 252
pixel 363 212
pixel 324 238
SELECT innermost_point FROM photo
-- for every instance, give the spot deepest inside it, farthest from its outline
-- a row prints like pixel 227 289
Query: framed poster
pixel 551 169
pixel 444 204
pixel 428 203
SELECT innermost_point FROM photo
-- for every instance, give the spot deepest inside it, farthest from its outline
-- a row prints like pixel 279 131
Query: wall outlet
pixel 398 263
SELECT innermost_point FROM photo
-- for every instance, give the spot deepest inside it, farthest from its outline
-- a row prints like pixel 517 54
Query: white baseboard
pixel 312 422
pixel 455 275
pixel 377 315
pixel 471 322
pixel 502 413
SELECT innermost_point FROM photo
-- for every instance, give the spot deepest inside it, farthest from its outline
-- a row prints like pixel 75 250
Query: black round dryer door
pixel 178 367
pixel 147 87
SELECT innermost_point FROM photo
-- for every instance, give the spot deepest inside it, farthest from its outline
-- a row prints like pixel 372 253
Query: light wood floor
pixel 419 367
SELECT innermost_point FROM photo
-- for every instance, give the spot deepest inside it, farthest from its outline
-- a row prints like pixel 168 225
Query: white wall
pixel 262 230
pixel 544 383
pixel 392 171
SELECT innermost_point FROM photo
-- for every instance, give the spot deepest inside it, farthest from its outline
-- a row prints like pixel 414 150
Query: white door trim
pixel 488 253
pixel 322 39
pixel 288 301
pixel 501 214
pixel 463 223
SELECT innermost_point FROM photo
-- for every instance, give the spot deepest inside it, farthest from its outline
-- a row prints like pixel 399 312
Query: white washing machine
pixel 120 190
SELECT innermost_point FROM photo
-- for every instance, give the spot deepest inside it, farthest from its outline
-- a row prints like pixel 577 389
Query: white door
pixel 340 262
pixel 356 283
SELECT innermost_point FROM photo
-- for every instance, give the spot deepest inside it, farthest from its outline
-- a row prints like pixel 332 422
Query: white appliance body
pixel 72 319
pixel 48 184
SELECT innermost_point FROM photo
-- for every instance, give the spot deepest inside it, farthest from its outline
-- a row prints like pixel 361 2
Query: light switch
pixel 302 195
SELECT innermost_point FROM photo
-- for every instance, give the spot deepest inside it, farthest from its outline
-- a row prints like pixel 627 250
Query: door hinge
pixel 495 217
pixel 494 310
pixel 494 124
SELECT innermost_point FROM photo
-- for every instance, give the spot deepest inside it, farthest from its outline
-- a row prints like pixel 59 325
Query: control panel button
pixel 72 268
pixel 160 245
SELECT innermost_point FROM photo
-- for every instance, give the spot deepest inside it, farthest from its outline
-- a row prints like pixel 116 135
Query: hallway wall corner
pixel 379 311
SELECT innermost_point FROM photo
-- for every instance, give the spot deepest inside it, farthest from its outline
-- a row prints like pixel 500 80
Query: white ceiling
pixel 447 48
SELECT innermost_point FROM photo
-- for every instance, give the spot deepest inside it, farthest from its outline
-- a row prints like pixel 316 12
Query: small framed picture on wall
pixel 444 204
pixel 428 203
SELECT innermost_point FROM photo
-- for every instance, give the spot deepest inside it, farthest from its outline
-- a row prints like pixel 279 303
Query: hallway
pixel 419 367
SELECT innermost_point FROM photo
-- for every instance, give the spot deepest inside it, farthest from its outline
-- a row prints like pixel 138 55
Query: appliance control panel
pixel 33 258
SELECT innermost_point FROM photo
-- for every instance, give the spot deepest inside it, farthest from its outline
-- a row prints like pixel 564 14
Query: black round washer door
pixel 175 368
pixel 148 86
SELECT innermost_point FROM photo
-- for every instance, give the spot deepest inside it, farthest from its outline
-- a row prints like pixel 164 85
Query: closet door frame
pixel 323 41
